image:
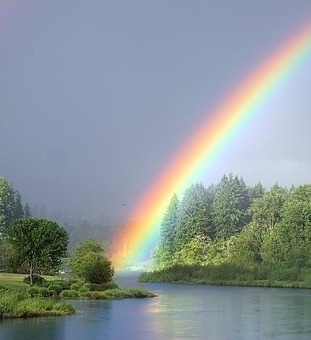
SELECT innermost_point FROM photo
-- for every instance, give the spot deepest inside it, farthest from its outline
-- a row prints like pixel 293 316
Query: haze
pixel 97 96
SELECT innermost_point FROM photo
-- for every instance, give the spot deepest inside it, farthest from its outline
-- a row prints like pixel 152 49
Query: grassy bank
pixel 233 275
pixel 18 299
pixel 16 303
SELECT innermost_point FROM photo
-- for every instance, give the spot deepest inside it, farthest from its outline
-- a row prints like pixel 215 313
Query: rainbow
pixel 202 148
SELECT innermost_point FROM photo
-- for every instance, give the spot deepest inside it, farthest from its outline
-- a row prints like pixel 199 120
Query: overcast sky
pixel 96 96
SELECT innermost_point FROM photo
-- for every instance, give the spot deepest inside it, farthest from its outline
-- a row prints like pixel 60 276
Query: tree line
pixel 37 245
pixel 231 222
pixel 11 207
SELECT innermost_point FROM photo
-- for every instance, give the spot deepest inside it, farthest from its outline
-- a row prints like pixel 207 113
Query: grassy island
pixel 48 297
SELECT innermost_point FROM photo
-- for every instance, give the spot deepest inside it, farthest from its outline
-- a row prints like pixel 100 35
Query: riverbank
pixel 228 274
pixel 19 300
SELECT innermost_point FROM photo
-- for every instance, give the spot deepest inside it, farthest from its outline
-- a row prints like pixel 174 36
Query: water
pixel 179 312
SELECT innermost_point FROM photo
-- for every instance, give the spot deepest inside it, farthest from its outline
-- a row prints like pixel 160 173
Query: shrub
pixel 69 294
pixel 103 286
pixel 55 288
pixel 44 292
pixel 33 291
pixel 83 289
pixel 87 286
pixel 2 288
pixel 37 280
pixel 75 286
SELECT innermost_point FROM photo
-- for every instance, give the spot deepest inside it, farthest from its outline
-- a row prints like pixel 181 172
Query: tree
pixel 40 244
pixel 194 252
pixel 194 216
pixel 164 251
pixel 266 210
pixel 6 204
pixel 27 210
pixel 18 210
pixel 90 264
pixel 289 242
pixel 168 225
pixel 230 206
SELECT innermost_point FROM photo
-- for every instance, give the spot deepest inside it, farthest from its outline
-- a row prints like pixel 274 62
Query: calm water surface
pixel 179 312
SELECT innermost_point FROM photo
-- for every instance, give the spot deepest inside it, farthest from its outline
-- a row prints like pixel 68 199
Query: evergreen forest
pixel 234 233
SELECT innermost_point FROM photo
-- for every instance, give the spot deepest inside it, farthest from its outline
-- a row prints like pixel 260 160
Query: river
pixel 179 312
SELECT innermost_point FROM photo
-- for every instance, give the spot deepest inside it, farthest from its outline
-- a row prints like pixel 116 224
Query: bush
pixel 64 283
pixel 37 280
pixel 2 288
pixel 55 288
pixel 90 264
pixel 87 286
pixel 103 286
pixel 75 286
pixel 44 292
pixel 33 291
pixel 69 294
pixel 83 289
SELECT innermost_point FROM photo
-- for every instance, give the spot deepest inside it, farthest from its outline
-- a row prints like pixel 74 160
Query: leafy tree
pixel 38 243
pixel 245 247
pixel 194 252
pixel 266 210
pixel 89 262
pixel 292 238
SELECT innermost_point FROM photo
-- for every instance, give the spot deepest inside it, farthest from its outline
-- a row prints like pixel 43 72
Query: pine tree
pixel 18 210
pixel 194 216
pixel 168 225
pixel 27 210
pixel 6 204
pixel 230 206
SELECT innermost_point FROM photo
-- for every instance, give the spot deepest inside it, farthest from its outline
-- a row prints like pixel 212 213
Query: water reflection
pixel 179 312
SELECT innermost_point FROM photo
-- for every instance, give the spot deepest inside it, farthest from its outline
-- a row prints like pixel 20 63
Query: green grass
pixel 11 280
pixel 18 299
pixel 229 274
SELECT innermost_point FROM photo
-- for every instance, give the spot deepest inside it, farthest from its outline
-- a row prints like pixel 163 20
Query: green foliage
pixel 168 225
pixel 261 235
pixel 90 264
pixel 55 289
pixel 194 216
pixel 6 250
pixel 75 286
pixel 266 210
pixel 36 280
pixel 102 286
pixel 10 204
pixel 38 243
pixel 25 303
pixel 230 206
pixel 33 291
pixel 69 294
pixel 194 252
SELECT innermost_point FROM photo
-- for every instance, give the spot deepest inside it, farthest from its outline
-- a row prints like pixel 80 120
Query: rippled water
pixel 179 312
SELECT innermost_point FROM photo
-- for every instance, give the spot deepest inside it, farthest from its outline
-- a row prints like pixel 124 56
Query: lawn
pixel 11 280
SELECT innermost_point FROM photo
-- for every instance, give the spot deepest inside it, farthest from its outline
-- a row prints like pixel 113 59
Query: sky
pixel 97 96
